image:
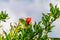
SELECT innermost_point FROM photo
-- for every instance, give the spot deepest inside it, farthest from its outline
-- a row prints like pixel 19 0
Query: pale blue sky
pixel 29 8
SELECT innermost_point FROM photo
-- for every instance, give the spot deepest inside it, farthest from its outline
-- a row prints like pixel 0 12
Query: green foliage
pixel 24 31
pixel 3 16
pixel 55 38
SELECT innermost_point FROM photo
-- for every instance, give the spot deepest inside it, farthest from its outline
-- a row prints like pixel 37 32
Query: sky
pixel 28 8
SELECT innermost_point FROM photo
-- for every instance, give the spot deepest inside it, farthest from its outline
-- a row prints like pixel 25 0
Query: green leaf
pixel 51 5
pixel 44 21
pixel 22 21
